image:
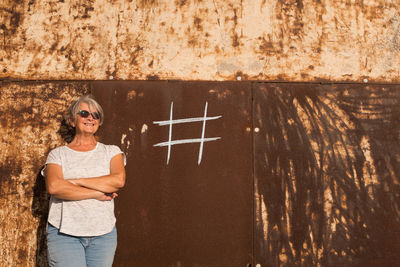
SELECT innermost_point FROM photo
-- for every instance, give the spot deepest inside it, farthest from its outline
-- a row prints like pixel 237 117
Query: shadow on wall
pixel 40 203
pixel 327 169
pixel 40 210
pixel 66 132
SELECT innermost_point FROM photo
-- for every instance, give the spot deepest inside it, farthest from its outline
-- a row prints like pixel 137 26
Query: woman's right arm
pixel 60 188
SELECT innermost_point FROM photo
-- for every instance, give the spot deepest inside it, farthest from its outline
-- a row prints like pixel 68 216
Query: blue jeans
pixel 72 251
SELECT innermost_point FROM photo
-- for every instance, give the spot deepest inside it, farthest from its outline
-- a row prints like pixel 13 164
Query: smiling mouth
pixel 89 124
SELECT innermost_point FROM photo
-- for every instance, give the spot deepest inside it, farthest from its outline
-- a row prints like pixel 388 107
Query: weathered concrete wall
pixel 30 116
pixel 296 40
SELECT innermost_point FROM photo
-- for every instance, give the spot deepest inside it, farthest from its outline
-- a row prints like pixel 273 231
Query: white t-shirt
pixel 89 217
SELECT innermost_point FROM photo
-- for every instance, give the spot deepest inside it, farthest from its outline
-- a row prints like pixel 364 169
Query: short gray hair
pixel 74 108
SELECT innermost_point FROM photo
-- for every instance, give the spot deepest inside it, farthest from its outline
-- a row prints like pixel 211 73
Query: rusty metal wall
pixel 326 188
pixel 30 117
pixel 195 207
pixel 296 40
pixel 349 137
pixel 327 175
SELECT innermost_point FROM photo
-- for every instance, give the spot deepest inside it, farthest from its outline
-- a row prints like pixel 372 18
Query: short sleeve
pixel 115 150
pixel 53 157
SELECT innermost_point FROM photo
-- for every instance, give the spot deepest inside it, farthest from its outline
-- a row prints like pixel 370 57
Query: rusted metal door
pixel 327 171
pixel 188 200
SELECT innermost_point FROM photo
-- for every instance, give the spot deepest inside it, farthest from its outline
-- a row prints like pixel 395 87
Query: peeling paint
pixel 123 139
pixel 131 95
pixel 144 128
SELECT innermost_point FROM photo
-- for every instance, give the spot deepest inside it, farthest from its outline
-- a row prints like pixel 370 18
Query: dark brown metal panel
pixel 327 175
pixel 182 213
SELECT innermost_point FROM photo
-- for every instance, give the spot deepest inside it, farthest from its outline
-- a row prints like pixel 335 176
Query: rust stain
pixel 131 95
pixel 180 2
pixel 146 3
pixel 153 77
pixel 267 46
pixel 235 37
pixel 197 23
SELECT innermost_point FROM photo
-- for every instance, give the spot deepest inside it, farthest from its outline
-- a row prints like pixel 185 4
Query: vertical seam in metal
pixel 91 90
pixel 253 173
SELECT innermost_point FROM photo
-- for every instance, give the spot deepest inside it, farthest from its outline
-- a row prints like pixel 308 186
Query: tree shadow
pixel 327 169
pixel 40 210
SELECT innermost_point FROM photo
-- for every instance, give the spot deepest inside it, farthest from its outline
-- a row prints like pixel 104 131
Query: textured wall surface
pixel 30 116
pixel 327 175
pixel 296 40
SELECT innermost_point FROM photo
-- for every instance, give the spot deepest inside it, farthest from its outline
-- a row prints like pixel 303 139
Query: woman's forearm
pixel 107 184
pixel 66 190
pixel 100 188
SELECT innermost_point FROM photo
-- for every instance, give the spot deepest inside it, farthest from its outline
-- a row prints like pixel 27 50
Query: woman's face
pixel 87 125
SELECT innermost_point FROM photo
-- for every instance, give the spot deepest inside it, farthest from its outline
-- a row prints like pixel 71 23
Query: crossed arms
pixel 100 188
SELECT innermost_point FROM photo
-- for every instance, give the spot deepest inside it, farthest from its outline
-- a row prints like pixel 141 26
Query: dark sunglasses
pixel 85 114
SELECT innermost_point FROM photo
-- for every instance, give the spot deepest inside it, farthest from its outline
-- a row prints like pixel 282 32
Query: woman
pixel 83 178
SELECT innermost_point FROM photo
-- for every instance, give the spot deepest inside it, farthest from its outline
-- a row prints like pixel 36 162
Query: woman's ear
pixel 71 122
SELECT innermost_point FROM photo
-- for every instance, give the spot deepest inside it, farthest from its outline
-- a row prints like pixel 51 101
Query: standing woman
pixel 83 178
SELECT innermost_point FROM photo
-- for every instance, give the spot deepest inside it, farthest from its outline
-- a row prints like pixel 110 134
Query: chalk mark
pixel 201 140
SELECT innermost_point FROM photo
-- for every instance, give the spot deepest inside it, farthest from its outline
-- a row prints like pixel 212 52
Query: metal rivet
pixel 248 129
pixel 239 78
pixel 111 77
pixel 365 80
pixel 256 130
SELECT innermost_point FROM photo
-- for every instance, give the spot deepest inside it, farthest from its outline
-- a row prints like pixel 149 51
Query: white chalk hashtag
pixel 201 140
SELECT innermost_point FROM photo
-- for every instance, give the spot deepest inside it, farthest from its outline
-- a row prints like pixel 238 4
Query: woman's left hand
pixel 112 195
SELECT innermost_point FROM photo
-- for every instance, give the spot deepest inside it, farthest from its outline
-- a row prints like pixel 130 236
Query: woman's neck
pixel 83 143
